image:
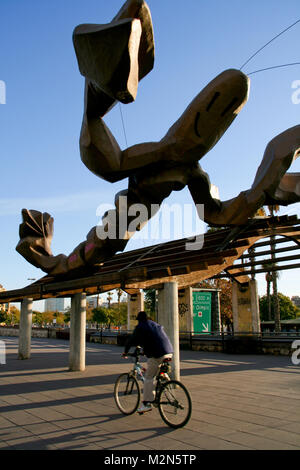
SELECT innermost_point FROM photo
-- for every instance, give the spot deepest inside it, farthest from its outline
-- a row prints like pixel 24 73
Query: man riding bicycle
pixel 157 347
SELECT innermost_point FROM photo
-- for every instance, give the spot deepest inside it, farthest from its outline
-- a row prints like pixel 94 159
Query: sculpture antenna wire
pixel 123 125
pixel 269 42
pixel 273 67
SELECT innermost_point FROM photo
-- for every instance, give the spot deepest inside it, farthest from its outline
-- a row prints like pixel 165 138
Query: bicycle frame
pixel 138 371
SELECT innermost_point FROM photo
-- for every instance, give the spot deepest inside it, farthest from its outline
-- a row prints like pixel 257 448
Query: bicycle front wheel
pixel 174 404
pixel 127 393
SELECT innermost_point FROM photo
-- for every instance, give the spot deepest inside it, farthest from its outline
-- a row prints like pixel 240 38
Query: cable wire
pixel 269 42
pixel 123 125
pixel 273 67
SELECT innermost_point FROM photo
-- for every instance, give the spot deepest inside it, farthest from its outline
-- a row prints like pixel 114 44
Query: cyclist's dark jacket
pixel 152 338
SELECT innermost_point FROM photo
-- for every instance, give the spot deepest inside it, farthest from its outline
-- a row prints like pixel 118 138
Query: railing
pixel 221 340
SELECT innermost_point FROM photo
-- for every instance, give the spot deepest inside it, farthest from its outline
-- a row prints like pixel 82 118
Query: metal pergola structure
pixel 223 254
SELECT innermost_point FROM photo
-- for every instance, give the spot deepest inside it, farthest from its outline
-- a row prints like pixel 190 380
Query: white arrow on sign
pixel 205 327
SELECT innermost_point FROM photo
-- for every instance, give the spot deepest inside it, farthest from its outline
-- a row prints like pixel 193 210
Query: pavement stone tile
pixel 280 435
pixel 291 427
pixel 42 429
pixel 259 443
pixel 20 417
pixel 27 443
pixel 15 432
pixel 45 413
pixel 5 424
pixel 4 445
pixel 166 443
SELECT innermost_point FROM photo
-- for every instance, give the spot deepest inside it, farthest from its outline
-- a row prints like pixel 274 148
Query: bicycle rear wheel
pixel 127 393
pixel 174 404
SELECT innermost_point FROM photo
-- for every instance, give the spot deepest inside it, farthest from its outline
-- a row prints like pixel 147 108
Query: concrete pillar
pixel 77 332
pixel 168 317
pixel 245 307
pixel 25 329
pixel 135 304
pixel 185 307
pixel 254 306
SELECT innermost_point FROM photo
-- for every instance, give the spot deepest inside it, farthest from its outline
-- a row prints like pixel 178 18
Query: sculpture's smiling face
pixel 207 117
pixel 219 104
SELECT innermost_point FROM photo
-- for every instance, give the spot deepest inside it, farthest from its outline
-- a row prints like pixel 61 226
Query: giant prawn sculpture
pixel 113 58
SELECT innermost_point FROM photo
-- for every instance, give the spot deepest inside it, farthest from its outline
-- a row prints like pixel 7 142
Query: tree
pixel 89 314
pixel 109 298
pixel 270 268
pixel 288 310
pixel 3 317
pixel 119 295
pixel 13 316
pixel 225 301
pixel 119 313
pixel 100 315
pixel 59 317
pixel 150 302
pixel 273 209
pixel 43 319
pixel 67 314
pixel 105 316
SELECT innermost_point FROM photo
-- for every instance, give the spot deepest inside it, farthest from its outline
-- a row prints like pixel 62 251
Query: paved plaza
pixel 239 402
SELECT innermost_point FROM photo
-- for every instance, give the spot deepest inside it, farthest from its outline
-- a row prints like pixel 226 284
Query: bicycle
pixel 171 397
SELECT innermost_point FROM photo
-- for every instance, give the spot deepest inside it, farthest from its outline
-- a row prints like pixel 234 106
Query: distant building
pixel 3 307
pixel 93 301
pixel 296 300
pixel 54 305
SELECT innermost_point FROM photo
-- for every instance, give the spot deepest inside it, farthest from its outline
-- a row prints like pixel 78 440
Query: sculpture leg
pixel 115 56
pixel 199 127
pixel 118 227
pixel 197 130
pixel 36 232
pixel 288 190
pixel 112 58
pixel 271 185
pixel 271 177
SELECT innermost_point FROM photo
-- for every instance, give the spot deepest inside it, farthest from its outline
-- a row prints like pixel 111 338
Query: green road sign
pixel 202 311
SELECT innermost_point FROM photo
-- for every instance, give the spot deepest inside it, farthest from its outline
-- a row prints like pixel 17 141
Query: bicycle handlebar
pixel 137 352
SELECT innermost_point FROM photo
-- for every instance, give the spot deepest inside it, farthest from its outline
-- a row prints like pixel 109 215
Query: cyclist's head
pixel 142 316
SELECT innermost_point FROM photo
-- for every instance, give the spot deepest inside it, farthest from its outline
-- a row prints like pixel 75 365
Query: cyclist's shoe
pixel 144 407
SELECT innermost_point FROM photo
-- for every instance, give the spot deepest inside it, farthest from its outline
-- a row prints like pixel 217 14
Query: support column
pixel 77 333
pixel 245 307
pixel 185 306
pixel 168 317
pixel 25 329
pixel 254 306
pixel 135 304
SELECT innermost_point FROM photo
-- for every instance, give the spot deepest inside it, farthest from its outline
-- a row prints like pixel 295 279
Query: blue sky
pixel 40 122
